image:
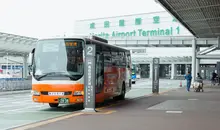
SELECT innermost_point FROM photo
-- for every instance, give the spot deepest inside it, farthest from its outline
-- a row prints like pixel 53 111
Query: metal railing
pixel 12 84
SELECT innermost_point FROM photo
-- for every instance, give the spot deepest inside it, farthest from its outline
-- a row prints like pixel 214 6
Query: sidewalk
pixel 175 110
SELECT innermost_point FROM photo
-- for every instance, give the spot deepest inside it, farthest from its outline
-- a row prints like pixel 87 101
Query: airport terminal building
pixel 149 35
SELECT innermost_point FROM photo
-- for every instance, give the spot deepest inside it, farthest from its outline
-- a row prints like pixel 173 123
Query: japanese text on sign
pixel 89 81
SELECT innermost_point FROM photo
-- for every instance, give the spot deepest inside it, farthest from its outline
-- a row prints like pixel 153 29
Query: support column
pixel 197 62
pixel 173 70
pixel 186 69
pixel 25 68
pixel 193 72
pixel 151 70
pixel 218 42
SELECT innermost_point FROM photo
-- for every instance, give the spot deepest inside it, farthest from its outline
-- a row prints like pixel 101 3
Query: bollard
pixel 180 83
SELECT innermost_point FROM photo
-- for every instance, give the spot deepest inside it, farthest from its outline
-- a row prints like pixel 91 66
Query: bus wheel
pixel 122 96
pixel 53 105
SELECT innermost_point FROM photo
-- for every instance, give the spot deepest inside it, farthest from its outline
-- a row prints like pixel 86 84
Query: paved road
pixel 175 110
pixel 18 109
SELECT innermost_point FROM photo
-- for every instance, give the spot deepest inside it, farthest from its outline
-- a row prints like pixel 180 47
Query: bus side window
pixel 114 57
pixel 128 60
pixel 107 56
pixel 122 60
pixel 99 72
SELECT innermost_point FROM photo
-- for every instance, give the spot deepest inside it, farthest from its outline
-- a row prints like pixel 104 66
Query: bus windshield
pixel 58 58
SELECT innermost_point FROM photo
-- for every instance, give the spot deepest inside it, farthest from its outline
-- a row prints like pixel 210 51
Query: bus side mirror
pixel 30 57
pixel 30 61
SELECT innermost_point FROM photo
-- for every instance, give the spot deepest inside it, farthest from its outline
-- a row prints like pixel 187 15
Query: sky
pixel 45 18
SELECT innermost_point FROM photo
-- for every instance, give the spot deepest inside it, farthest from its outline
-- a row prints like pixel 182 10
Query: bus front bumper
pixel 55 99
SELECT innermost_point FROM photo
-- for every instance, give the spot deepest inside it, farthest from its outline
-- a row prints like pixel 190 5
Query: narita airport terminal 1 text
pixel 140 32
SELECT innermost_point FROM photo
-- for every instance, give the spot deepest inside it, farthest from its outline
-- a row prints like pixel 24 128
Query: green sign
pixel 122 23
pixel 106 24
pixel 141 32
pixel 174 20
pixel 156 19
pixel 137 21
pixel 92 25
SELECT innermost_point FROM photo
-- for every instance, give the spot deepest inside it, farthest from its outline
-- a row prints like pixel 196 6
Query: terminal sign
pixel 89 82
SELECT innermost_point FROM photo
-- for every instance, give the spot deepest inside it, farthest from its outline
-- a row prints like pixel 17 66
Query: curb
pixel 14 92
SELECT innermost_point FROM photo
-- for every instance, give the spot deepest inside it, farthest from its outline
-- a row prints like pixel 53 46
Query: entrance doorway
pixel 207 70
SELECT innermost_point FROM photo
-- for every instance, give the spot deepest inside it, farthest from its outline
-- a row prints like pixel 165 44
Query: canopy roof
pixel 15 45
pixel 200 17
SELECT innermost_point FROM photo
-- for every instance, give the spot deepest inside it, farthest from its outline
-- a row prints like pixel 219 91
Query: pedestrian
pixel 199 78
pixel 188 78
pixel 213 79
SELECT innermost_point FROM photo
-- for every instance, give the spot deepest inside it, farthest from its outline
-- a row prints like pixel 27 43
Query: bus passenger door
pixel 99 72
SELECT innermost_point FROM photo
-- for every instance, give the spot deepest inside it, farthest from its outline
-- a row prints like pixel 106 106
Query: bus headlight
pixel 78 93
pixel 35 93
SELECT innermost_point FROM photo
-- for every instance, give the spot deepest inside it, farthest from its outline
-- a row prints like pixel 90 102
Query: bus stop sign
pixel 89 78
pixel 155 75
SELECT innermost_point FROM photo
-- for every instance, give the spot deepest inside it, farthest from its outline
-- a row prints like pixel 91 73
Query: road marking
pixel 12 100
pixel 192 99
pixel 15 104
pixel 99 113
pixel 22 104
pixel 18 109
pixel 134 90
pixel 175 112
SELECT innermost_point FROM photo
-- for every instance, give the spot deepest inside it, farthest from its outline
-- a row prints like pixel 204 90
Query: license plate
pixel 63 100
pixel 56 93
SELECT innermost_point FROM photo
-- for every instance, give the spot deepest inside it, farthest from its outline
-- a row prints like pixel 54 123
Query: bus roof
pixel 88 38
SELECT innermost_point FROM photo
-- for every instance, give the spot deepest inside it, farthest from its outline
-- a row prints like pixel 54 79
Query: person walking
pixel 213 79
pixel 188 78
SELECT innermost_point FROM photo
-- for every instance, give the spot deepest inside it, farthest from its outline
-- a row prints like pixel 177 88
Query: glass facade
pixel 165 71
pixel 188 68
pixel 145 70
pixel 180 69
pixel 207 70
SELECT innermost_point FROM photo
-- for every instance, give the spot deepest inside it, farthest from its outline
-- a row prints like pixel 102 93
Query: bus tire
pixel 122 96
pixel 52 105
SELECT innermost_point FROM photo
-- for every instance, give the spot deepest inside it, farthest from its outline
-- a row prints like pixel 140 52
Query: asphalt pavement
pixel 175 110
pixel 17 109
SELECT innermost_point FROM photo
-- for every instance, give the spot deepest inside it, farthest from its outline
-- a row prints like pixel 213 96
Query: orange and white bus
pixel 57 69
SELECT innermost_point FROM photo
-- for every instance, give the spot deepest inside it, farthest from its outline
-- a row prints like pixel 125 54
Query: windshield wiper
pixel 56 74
